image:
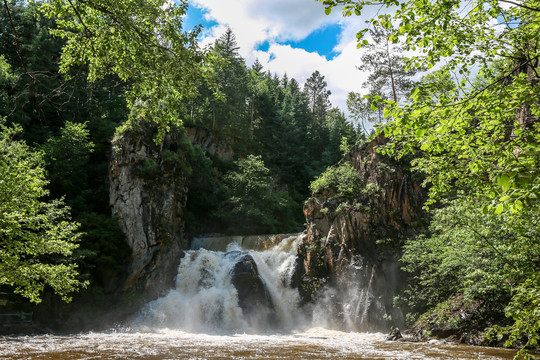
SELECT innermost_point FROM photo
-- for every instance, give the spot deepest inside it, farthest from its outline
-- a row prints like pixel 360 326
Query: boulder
pixel 253 296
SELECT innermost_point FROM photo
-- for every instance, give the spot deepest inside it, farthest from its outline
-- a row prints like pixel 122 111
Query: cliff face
pixel 148 193
pixel 366 235
pixel 210 143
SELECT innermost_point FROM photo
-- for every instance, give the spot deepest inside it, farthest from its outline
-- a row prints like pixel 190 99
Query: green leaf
pixel 499 209
pixel 504 181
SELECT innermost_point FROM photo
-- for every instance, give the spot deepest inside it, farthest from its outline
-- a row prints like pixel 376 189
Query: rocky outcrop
pixel 364 232
pixel 148 194
pixel 390 211
pixel 210 143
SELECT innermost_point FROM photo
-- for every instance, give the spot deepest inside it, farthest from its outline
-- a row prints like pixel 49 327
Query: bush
pixel 343 180
pixel 480 255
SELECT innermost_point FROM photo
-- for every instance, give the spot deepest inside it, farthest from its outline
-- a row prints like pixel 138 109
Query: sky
pixel 288 36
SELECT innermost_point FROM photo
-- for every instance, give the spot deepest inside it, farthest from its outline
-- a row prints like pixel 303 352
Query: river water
pixel 201 318
pixel 316 343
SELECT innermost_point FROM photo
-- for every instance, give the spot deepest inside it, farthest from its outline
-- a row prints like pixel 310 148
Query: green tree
pixel 317 94
pixel 139 41
pixel 67 158
pixel 479 255
pixel 500 119
pixel 255 205
pixel 436 85
pixel 479 142
pixel 384 61
pixel 231 114
pixel 37 236
pixel 361 112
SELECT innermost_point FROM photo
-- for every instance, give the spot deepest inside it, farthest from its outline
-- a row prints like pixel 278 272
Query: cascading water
pixel 236 290
pixel 222 296
pixel 350 304
pixel 243 284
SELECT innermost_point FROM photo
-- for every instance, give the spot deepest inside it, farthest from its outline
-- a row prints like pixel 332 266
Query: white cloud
pixel 255 21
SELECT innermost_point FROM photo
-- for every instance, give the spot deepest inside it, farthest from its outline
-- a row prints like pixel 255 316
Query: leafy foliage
pixel 36 236
pixel 483 138
pixel 138 41
pixel 67 156
pixel 343 180
pixel 384 61
pixel 469 252
pixel 524 309
pixel 476 141
pixel 255 204
pixel 317 95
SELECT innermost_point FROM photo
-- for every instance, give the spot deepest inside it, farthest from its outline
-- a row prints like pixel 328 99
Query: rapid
pixel 234 298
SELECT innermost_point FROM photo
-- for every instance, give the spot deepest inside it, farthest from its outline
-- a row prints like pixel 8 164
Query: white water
pixel 201 319
pixel 204 299
pixel 312 344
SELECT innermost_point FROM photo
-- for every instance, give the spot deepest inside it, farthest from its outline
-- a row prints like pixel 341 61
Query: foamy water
pixel 316 343
pixel 205 300
pixel 201 319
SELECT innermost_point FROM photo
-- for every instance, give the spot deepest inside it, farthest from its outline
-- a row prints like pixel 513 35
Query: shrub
pixel 343 180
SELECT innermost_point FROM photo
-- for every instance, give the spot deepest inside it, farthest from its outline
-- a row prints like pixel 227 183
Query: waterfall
pixel 350 303
pixel 241 284
pixel 224 286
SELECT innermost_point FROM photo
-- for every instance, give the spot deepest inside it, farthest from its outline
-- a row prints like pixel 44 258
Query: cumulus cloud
pixel 255 22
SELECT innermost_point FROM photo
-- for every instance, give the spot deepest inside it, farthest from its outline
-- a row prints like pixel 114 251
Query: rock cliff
pixel 148 194
pixel 210 143
pixel 364 234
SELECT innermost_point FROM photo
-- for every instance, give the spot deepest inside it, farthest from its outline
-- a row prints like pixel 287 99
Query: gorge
pixel 324 292
pixel 339 263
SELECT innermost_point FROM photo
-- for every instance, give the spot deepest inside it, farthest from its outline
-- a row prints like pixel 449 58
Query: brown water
pixel 315 343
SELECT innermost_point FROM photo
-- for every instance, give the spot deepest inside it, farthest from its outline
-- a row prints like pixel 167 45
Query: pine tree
pixel 388 76
pixel 317 94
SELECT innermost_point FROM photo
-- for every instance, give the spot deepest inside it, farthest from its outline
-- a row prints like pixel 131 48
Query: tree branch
pixel 15 43
pixel 520 5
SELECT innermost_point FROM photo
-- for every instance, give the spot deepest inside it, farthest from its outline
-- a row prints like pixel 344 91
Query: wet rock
pixel 210 142
pixel 369 227
pixel 252 293
pixel 474 337
pixel 390 208
pixel 253 296
pixel 394 335
pixel 443 332
pixel 148 194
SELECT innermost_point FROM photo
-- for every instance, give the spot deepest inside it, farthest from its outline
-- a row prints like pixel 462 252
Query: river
pixel 208 316
pixel 316 343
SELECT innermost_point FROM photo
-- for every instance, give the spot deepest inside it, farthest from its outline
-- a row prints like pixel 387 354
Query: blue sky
pixel 287 36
